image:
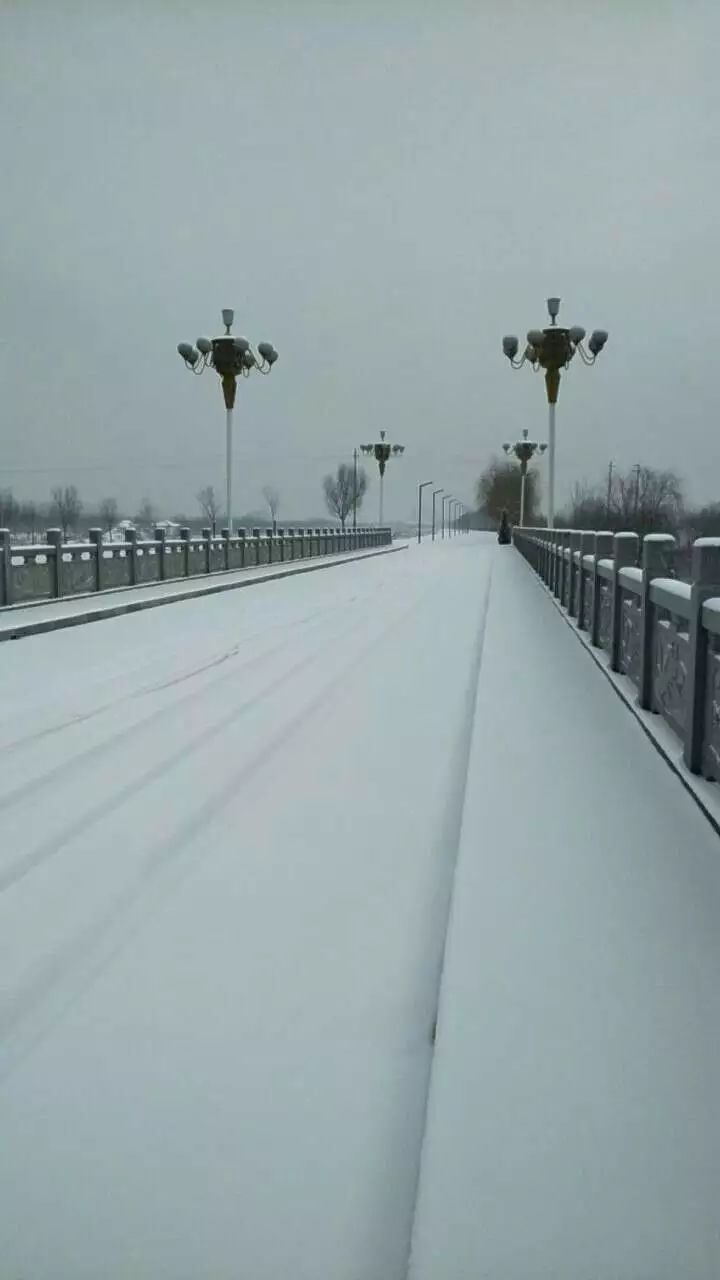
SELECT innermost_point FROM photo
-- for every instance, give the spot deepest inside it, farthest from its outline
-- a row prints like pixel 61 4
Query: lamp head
pixel 553 306
pixel 510 346
pixel 228 316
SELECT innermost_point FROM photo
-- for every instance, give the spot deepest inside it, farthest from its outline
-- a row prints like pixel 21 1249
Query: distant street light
pixel 435 494
pixel 524 450
pixel 552 349
pixel 231 358
pixel 447 498
pixel 425 485
pixel 382 453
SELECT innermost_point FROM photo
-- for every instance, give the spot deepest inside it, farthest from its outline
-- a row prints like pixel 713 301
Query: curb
pixel 97 614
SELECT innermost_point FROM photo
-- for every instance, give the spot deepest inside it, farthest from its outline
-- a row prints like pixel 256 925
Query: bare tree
pixel 341 493
pixel 9 509
pixel 147 514
pixel 498 490
pixel 272 497
pixel 209 505
pixel 647 500
pixel 108 512
pixel 67 507
pixel 29 518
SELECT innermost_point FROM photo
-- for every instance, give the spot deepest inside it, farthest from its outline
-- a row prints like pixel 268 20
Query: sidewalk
pixel 574 1114
pixel 72 611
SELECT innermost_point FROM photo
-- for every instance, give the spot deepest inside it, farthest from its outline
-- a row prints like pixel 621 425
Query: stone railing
pixel 659 632
pixel 55 568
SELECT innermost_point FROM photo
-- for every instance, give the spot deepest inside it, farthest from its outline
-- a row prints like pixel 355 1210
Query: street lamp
pixel 524 450
pixel 425 485
pixel 447 498
pixel 231 357
pixel 435 494
pixel 552 349
pixel 382 453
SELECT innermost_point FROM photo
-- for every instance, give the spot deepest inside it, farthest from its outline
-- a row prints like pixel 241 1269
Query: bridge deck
pixel 231 834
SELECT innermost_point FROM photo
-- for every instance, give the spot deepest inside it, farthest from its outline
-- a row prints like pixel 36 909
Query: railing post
pixel 281 536
pixel 705 583
pixel 96 537
pixel 160 538
pixel 185 539
pixel 6 582
pixel 587 541
pixel 573 546
pixel 225 535
pixel 555 539
pixel 625 553
pixel 270 540
pixel 240 535
pixel 55 540
pixel 131 552
pixel 657 553
pixel 602 550
pixel 207 535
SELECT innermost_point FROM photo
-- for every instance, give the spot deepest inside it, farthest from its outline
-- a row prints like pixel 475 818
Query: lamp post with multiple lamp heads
pixel 552 349
pixel 524 450
pixel 231 357
pixel 382 453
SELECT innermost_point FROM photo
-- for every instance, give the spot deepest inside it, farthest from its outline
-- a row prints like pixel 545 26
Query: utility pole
pixel 637 469
pixel 609 492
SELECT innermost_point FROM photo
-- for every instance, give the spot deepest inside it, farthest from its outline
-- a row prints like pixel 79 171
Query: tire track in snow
pixel 450 840
pixel 72 969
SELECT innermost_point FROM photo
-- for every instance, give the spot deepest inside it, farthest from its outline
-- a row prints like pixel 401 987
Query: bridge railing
pixel 660 633
pixel 53 569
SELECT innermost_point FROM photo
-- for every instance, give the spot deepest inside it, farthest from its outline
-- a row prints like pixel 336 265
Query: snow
pixel 106 604
pixel 630 575
pixel 573 1123
pixel 231 834
pixel 229 838
pixel 672 587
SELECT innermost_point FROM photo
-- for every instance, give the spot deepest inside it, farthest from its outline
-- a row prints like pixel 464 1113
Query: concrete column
pixel 586 547
pixel 185 537
pixel 96 537
pixel 160 540
pixel 55 540
pixel 6 582
pixel 572 593
pixel 657 554
pixel 131 544
pixel 602 550
pixel 705 583
pixel 625 554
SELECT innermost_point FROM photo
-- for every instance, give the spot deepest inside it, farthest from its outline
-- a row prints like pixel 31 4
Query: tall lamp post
pixel 426 484
pixel 524 450
pixel 231 357
pixel 447 498
pixel 436 492
pixel 552 349
pixel 382 453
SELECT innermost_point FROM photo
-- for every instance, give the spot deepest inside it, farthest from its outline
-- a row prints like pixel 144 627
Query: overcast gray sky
pixel 380 189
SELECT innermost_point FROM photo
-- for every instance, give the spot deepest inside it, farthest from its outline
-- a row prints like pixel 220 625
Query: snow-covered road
pixel 232 830
pixel 229 831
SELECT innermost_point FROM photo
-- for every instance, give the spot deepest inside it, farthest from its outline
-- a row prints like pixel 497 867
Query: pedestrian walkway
pixel 38 617
pixel 574 1112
